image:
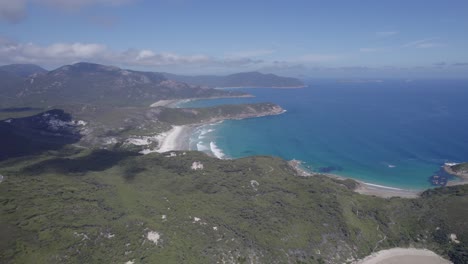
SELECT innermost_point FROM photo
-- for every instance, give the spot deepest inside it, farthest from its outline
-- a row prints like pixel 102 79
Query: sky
pixel 301 38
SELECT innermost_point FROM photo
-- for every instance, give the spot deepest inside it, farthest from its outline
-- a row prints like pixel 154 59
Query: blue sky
pixel 298 38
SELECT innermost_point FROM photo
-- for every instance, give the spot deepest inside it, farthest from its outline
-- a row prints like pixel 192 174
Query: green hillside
pixel 80 206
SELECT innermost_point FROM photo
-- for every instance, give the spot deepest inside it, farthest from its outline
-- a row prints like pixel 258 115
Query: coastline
pixel 463 177
pixel 175 139
pixel 172 103
pixel 385 191
pixel 362 187
pixel 178 139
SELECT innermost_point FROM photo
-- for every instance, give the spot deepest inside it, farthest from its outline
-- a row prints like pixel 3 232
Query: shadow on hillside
pixel 98 160
pixel 32 135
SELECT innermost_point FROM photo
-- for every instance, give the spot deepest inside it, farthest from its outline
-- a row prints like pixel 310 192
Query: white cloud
pixel 12 11
pixel 64 53
pixel 386 33
pixel 145 54
pixel 152 59
pixel 65 50
pixel 419 44
pixel 31 53
pixel 423 43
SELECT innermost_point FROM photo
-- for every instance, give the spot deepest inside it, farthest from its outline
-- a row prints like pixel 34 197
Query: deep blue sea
pixel 395 133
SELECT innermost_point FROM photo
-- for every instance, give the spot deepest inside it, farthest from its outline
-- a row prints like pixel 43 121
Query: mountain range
pixel 88 83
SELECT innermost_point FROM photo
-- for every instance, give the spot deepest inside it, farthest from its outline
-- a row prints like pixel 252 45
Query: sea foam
pixel 202 147
pixel 216 151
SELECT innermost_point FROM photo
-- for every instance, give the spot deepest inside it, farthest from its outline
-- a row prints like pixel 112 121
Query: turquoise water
pixel 395 133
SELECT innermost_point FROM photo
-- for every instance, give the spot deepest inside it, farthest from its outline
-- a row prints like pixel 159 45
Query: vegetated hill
pixel 183 116
pixel 84 206
pixel 106 126
pixel 10 85
pixel 100 84
pixel 23 70
pixel 245 79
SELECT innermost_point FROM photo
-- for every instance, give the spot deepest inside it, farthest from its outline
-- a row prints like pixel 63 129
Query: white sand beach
pixel 175 139
pixel 385 191
pixel 170 141
pixel 403 256
pixel 167 103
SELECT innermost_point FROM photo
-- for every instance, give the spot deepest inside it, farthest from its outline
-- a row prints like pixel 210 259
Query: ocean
pixel 396 133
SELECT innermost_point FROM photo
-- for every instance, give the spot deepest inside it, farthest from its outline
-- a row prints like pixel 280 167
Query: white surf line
pixel 384 187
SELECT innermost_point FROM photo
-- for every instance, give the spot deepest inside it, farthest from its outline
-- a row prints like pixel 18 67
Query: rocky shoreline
pixel 462 175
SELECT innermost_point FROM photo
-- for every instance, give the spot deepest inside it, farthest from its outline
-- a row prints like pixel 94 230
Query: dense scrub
pixel 81 206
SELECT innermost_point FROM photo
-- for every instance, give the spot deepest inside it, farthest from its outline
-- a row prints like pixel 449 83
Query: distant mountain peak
pixel 93 83
pixel 88 66
pixel 23 70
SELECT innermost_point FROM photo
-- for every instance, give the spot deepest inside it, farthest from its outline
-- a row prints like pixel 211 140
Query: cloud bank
pixel 58 54
pixel 64 53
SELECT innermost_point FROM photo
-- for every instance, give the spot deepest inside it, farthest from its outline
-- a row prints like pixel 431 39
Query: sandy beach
pixel 175 102
pixel 175 139
pixel 363 187
pixel 385 191
pixel 167 103
pixel 403 256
